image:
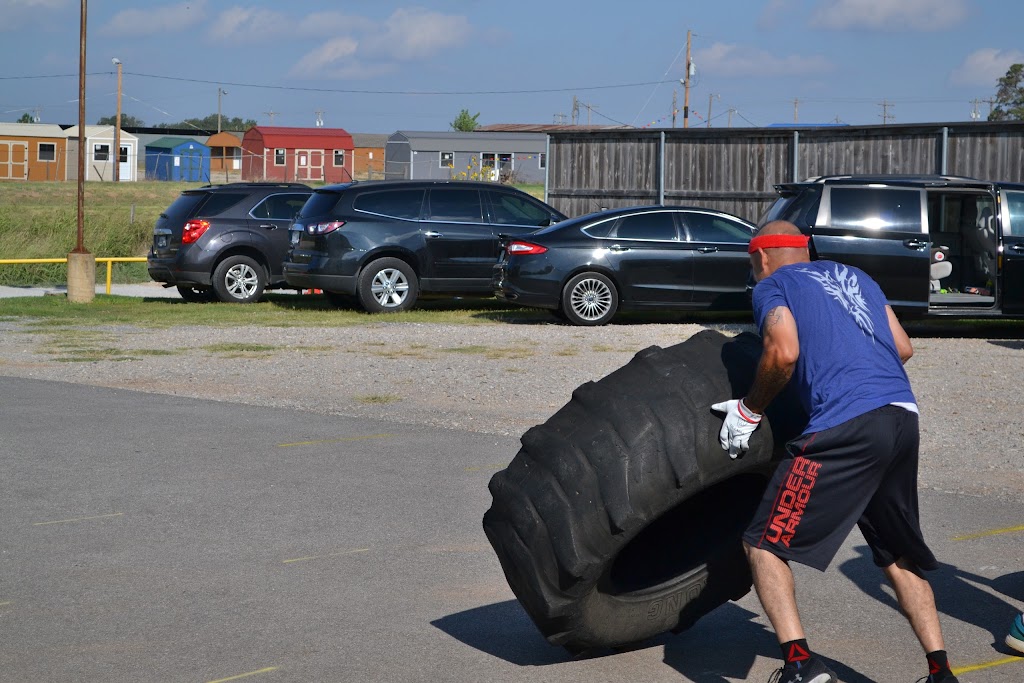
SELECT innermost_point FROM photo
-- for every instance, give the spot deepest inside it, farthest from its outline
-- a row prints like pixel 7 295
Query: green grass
pixel 40 220
pixel 56 314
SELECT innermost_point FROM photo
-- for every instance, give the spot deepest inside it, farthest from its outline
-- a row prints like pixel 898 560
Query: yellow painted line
pixel 993 532
pixel 77 519
pixel 987 665
pixel 347 438
pixel 485 467
pixel 317 557
pixel 251 673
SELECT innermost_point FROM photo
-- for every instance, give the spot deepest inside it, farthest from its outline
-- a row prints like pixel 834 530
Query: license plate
pixel 295 237
pixel 161 241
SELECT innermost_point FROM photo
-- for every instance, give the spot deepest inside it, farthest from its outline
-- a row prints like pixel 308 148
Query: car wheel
pixel 621 516
pixel 387 285
pixel 196 295
pixel 239 279
pixel 589 299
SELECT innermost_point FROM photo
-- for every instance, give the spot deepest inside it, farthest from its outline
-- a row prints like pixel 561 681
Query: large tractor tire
pixel 620 518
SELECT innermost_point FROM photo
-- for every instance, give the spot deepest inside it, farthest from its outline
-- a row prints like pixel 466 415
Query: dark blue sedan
pixel 651 257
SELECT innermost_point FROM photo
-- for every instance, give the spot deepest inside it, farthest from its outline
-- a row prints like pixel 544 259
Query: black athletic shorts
pixel 863 471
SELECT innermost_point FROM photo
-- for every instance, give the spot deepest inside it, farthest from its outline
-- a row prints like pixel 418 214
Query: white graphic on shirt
pixel 845 289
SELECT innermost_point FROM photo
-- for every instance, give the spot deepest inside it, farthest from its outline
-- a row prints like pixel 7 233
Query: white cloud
pixel 890 15
pixel 366 49
pixel 774 13
pixel 327 57
pixel 134 22
pixel 410 34
pixel 246 23
pixel 738 60
pixel 18 13
pixel 985 67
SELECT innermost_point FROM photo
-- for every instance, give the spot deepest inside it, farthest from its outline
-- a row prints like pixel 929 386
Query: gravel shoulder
pixel 497 378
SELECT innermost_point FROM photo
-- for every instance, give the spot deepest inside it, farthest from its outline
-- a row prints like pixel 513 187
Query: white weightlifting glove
pixel 740 423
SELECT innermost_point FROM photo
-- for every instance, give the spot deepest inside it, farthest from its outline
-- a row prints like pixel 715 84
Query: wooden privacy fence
pixel 736 169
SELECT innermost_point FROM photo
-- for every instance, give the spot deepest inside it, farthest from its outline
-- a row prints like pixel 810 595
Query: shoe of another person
pixel 930 678
pixel 1015 638
pixel 812 670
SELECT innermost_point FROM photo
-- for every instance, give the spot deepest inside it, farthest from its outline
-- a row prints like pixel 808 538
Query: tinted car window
pixel 657 225
pixel 707 227
pixel 800 209
pixel 509 209
pixel 395 203
pixel 1015 203
pixel 182 207
pixel 871 208
pixel 461 206
pixel 219 202
pixel 280 206
pixel 319 204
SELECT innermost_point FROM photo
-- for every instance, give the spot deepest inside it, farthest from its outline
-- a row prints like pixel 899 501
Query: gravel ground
pixel 499 378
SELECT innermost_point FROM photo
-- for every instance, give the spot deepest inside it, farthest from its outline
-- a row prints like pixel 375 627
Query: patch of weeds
pixel 158 352
pixel 472 348
pixel 313 349
pixel 603 348
pixel 569 351
pixel 400 353
pixel 239 348
pixel 378 399
pixel 94 355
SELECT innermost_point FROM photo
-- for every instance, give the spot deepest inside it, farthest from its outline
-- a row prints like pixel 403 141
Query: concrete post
pixel 81 277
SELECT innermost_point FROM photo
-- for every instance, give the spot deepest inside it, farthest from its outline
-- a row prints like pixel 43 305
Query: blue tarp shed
pixel 183 159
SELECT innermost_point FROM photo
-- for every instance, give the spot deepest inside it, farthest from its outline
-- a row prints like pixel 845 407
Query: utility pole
pixel 117 125
pixel 990 101
pixel 271 114
pixel 220 91
pixel 319 118
pixel 731 110
pixel 796 110
pixel 711 99
pixel 686 84
pixel 674 107
pixel 589 108
pixel 975 114
pixel 885 104
pixel 575 111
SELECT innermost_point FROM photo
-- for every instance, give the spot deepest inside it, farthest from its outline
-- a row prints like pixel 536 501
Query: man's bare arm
pixel 781 351
pixel 899 335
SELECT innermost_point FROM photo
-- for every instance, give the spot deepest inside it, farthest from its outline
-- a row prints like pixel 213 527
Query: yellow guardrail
pixel 109 260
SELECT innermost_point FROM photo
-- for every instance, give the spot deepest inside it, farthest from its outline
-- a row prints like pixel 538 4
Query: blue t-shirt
pixel 848 361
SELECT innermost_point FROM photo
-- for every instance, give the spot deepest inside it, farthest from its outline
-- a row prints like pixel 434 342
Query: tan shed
pixel 368 156
pixel 225 152
pixel 99 159
pixel 32 151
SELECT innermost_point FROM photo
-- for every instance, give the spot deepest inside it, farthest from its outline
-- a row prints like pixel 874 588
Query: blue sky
pixel 381 66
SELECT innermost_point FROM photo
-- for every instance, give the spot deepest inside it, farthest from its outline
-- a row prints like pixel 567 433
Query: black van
pixel 897 228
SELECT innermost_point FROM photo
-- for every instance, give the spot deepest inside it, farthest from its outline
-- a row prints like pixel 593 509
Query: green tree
pixel 26 118
pixel 1010 96
pixel 465 121
pixel 127 121
pixel 210 123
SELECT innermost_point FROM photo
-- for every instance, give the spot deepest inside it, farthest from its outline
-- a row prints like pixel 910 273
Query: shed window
pixel 217 152
pixel 279 156
pixel 47 151
pixel 339 158
pixel 123 156
pixel 542 160
pixel 446 160
pixel 100 152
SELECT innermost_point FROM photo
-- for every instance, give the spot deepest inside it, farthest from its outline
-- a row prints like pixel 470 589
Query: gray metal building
pixel 424 155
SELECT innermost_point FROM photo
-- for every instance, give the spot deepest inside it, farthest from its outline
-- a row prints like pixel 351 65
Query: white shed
pixel 99 159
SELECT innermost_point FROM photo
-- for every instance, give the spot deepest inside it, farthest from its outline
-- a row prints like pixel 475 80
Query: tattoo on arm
pixel 773 318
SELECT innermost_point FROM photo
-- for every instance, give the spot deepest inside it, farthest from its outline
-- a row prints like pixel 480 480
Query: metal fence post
pixel 661 169
pixel 795 170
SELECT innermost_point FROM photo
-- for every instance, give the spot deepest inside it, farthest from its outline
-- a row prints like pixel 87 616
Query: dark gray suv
pixel 383 243
pixel 226 242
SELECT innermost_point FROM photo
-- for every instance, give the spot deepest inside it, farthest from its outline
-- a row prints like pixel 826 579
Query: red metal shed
pixel 297 154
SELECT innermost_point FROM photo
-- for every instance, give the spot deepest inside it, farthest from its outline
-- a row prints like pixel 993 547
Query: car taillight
pixel 323 228
pixel 520 248
pixel 194 229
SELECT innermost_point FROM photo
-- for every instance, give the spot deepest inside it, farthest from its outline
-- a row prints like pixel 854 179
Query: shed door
pixel 309 164
pixel 13 160
pixel 124 168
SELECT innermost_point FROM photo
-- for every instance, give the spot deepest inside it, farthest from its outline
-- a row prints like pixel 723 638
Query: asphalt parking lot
pixel 160 538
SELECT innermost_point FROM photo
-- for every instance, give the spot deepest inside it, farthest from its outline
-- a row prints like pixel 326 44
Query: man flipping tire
pixel 828 327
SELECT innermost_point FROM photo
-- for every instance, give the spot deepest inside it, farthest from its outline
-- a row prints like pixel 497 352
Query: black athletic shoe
pixel 931 679
pixel 812 670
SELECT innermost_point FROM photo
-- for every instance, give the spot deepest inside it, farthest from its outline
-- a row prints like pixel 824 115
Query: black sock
pixel 938 665
pixel 796 651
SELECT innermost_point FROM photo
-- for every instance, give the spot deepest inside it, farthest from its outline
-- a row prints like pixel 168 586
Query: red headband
pixel 777 241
